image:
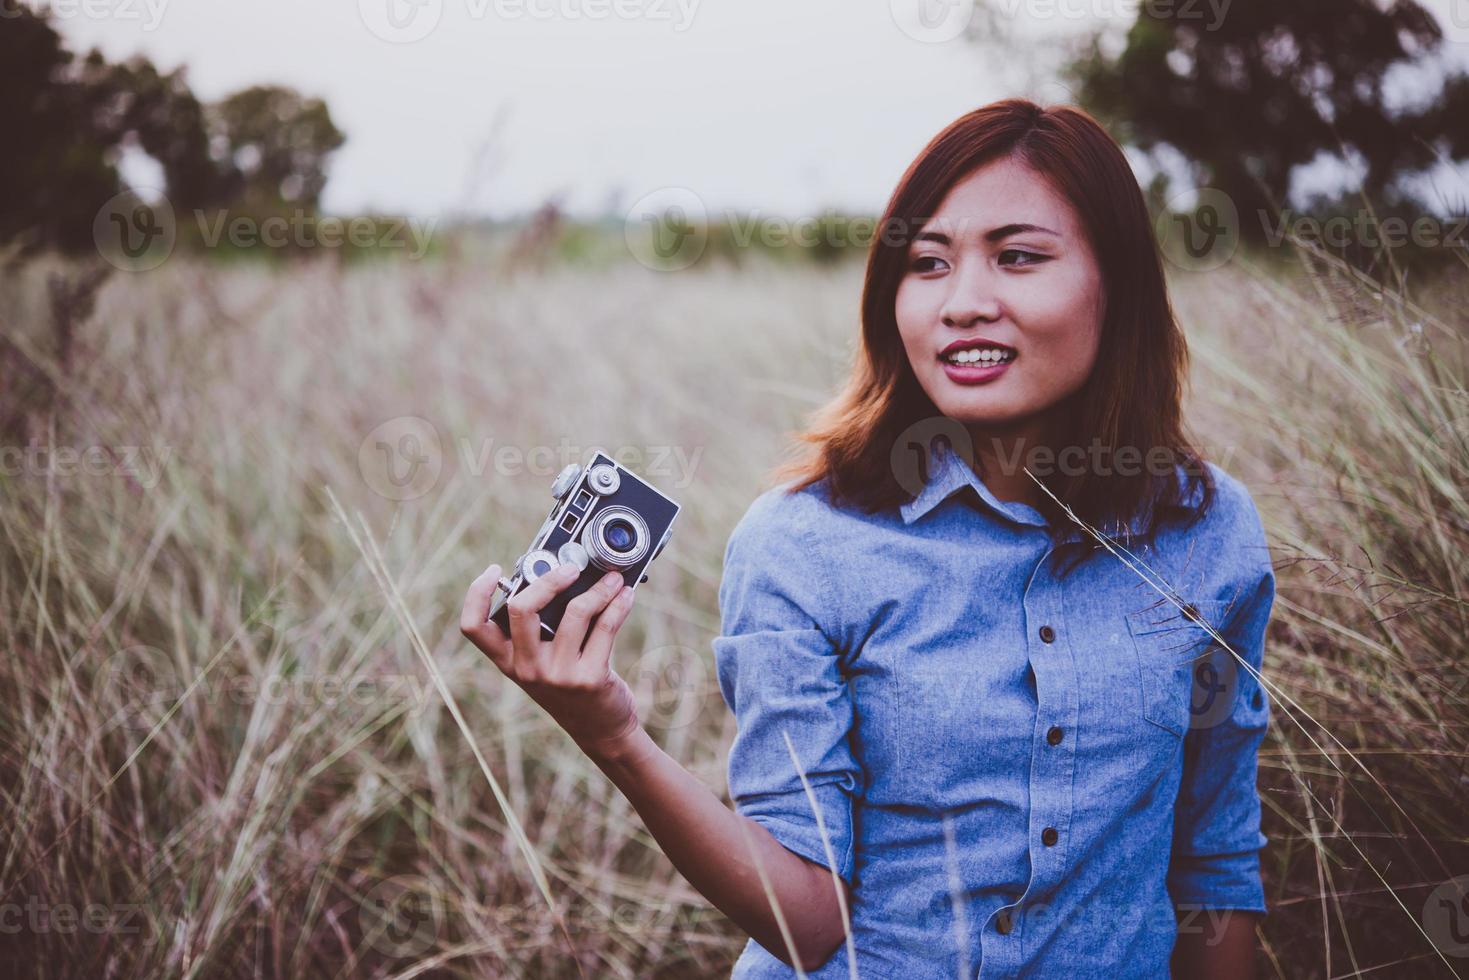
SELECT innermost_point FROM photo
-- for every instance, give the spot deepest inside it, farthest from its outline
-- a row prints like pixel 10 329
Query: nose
pixel 972 296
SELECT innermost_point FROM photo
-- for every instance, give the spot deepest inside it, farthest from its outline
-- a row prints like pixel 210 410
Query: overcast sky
pixel 786 106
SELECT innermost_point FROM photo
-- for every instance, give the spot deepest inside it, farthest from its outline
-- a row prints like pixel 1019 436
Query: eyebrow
pixel 994 235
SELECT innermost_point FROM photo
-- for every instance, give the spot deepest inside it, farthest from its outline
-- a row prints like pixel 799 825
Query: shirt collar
pixel 949 474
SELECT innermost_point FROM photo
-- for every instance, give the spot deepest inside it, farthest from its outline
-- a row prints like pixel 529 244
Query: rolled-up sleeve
pixel 780 672
pixel 1215 862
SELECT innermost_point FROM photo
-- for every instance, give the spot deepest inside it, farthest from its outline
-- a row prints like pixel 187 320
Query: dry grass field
pixel 240 505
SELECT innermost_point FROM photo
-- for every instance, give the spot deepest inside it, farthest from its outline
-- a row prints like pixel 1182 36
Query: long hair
pixel 1132 398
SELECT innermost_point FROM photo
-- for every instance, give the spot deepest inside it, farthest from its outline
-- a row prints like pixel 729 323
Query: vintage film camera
pixel 604 519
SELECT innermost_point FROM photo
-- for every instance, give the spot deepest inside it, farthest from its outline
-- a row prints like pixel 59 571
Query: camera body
pixel 605 519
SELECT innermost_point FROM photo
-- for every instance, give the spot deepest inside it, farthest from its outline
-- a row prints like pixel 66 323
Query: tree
pixel 276 142
pixel 56 173
pixel 69 119
pixel 1270 85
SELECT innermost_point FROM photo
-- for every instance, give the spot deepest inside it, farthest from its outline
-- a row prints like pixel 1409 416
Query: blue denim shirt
pixel 1019 774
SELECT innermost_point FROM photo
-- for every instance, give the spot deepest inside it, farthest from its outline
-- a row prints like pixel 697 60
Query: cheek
pixel 911 312
pixel 1066 319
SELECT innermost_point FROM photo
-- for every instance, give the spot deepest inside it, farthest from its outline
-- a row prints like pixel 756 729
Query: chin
pixel 979 408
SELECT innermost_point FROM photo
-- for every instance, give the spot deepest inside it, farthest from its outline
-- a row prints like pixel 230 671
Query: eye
pixel 1033 258
pixel 927 263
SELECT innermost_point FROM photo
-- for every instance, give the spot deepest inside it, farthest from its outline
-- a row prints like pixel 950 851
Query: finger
pixel 474 619
pixel 535 596
pixel 579 612
pixel 478 599
pixel 525 619
pixel 598 652
pixel 493 642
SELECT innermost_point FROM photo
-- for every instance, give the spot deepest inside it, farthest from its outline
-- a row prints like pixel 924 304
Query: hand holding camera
pixel 550 627
pixel 574 683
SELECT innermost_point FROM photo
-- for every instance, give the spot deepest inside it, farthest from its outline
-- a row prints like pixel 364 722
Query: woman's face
pixel 1003 264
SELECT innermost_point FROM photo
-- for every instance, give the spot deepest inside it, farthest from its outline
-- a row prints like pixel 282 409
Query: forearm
pixel 1215 945
pixel 716 849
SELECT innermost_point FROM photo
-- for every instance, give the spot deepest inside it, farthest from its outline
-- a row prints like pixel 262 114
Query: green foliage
pixel 276 142
pixel 1269 86
pixel 258 153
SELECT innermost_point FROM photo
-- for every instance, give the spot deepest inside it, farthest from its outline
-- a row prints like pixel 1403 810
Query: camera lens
pixel 616 537
pixel 619 535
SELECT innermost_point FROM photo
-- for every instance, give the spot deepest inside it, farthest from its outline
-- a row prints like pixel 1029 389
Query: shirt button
pixel 1003 922
pixel 1049 837
pixel 1054 735
pixel 1048 635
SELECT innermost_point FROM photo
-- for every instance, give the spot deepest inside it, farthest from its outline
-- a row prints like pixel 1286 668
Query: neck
pixel 1004 451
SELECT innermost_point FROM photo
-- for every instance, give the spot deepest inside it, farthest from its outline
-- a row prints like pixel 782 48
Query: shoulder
pixel 1234 509
pixel 780 557
pixel 1231 531
pixel 782 517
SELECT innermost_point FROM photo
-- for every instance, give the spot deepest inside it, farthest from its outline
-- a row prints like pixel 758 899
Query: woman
pixel 993 741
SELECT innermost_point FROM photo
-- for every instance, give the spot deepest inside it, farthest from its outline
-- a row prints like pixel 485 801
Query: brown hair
pixel 1132 397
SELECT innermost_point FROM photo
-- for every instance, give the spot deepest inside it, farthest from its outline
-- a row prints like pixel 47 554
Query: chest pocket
pixel 1181 669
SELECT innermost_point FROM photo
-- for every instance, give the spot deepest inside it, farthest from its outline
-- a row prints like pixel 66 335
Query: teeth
pixel 973 355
